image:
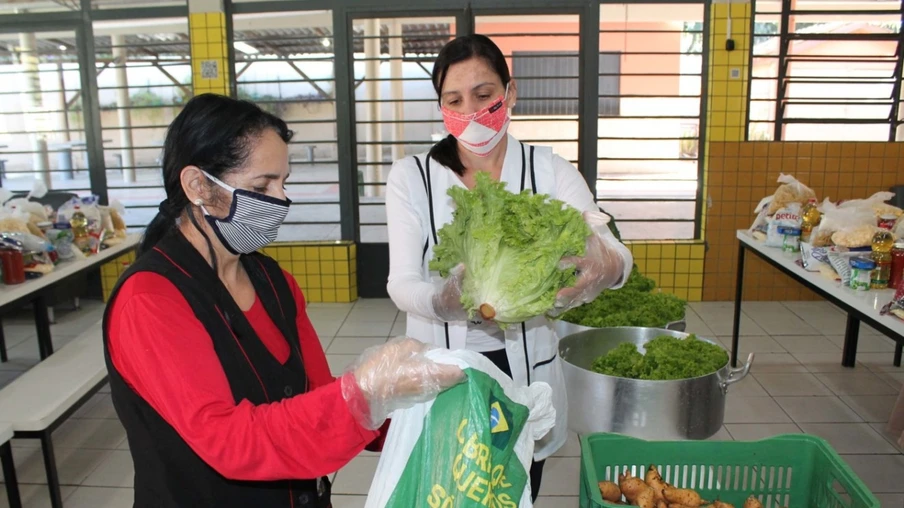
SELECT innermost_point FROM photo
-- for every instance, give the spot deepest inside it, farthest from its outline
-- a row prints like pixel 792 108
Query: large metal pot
pixel 657 410
pixel 564 328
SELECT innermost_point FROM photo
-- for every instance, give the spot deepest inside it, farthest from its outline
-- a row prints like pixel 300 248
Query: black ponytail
pixel 459 50
pixel 215 133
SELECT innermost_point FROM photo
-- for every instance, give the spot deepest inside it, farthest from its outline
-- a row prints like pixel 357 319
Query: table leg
pixel 739 294
pixel 851 336
pixel 9 476
pixel 42 323
pixel 899 348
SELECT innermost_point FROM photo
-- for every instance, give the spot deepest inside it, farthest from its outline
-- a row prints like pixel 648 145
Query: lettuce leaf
pixel 511 245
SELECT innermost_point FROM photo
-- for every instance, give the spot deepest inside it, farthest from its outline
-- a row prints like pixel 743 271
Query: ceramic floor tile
pixel 696 325
pixel 556 501
pixel 882 430
pixel 338 363
pixel 890 500
pixel 326 329
pixel 365 329
pixel 783 363
pixel 791 385
pixel 87 406
pixel 849 437
pixel 856 384
pixel 871 408
pixel 748 387
pixel 117 470
pixel 818 410
pixel 754 344
pixel 776 319
pixel 353 345
pixel 880 473
pixel 36 496
pixel 895 380
pixel 101 497
pixel 373 314
pixel 721 435
pixel 757 431
pixel 100 434
pixel 820 315
pixel 375 303
pixel 73 465
pixel 808 344
pixel 882 362
pixel 561 476
pixel 753 410
pixel 348 501
pixel 865 343
pixel 571 448
pixel 822 363
pixel 723 327
pixel 356 477
pixel 399 329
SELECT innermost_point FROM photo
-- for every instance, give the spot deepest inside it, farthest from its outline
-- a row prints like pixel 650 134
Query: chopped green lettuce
pixel 666 358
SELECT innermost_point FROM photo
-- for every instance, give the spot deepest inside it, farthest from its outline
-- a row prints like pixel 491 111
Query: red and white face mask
pixel 479 132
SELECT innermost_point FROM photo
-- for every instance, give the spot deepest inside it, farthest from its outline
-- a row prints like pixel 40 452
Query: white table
pixel 861 306
pixel 35 290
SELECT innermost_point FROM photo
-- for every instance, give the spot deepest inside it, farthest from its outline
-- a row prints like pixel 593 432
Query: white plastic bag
pixel 470 447
pixel 787 217
pixel 790 191
pixel 875 203
pixel 844 217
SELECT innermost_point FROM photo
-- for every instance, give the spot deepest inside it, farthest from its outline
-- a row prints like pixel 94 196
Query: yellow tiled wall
pixel 325 271
pixel 209 53
pixel 677 267
pixel 112 270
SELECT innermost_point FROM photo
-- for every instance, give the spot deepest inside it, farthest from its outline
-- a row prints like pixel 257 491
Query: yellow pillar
pixel 209 55
pixel 728 80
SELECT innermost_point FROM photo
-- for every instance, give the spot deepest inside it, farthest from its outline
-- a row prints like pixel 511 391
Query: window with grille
pixel 826 71
pixel 548 82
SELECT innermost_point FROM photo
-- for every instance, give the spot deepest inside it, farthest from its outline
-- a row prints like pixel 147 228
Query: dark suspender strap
pixel 428 186
pixel 524 169
pixel 533 178
pixel 526 357
pixel 426 190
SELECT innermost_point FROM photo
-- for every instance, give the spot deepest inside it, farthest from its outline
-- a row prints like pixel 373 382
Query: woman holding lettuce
pixel 476 93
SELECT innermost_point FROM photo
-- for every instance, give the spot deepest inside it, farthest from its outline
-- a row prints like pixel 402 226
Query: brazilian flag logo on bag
pixel 500 417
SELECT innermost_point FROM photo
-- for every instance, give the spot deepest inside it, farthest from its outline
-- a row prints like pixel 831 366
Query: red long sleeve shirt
pixel 167 357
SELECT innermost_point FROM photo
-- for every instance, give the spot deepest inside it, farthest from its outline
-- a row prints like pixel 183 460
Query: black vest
pixel 168 473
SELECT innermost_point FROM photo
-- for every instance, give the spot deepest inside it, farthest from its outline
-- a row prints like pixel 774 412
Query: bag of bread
pixel 790 191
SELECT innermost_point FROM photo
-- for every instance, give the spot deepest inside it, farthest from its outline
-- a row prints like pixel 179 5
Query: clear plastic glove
pixel 395 375
pixel 601 267
pixel 447 301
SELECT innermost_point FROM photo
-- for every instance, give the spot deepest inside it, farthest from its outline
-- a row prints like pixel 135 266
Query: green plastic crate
pixel 792 471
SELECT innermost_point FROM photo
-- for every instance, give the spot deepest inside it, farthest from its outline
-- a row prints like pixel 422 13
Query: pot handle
pixel 737 374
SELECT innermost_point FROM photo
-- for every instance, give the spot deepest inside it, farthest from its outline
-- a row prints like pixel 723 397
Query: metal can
pixel 861 273
pixel 790 238
pixel 897 266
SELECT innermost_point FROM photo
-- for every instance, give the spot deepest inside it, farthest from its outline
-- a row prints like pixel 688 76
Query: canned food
pixel 790 238
pixel 897 266
pixel 887 222
pixel 861 273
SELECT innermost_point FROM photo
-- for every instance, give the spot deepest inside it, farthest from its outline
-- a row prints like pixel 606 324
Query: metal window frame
pixel 781 80
pixel 344 12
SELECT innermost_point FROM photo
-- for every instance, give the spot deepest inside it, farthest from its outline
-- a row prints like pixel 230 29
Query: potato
pixel 654 480
pixel 720 504
pixel 753 502
pixel 679 505
pixel 631 487
pixel 645 499
pixel 610 491
pixel 682 496
pixel 662 504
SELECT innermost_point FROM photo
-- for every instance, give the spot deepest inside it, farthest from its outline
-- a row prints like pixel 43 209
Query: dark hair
pixel 215 133
pixel 459 50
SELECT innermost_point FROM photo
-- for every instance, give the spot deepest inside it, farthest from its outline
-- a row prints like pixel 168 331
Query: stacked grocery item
pixel 854 242
pixel 34 237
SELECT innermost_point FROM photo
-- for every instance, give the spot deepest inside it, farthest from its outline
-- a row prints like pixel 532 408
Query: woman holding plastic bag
pixel 475 94
pixel 215 369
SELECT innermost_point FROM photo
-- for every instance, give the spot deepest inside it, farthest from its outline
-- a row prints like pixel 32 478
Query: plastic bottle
pixel 810 218
pixel 79 223
pixel 883 241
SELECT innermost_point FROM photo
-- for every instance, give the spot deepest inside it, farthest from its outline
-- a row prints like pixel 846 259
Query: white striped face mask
pixel 253 221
